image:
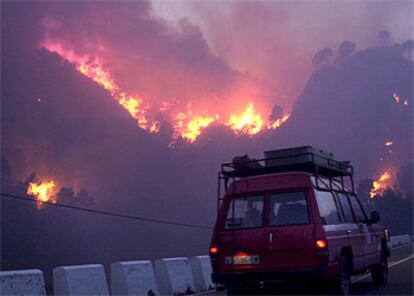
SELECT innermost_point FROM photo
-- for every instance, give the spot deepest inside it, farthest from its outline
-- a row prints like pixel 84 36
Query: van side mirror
pixel 375 217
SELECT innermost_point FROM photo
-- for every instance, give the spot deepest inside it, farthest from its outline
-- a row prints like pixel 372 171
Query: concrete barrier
pixel 201 267
pixel 22 282
pixel 174 276
pixel 80 280
pixel 398 240
pixel 133 278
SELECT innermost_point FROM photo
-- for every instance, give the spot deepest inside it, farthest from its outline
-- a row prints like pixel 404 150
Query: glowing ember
pixel 380 185
pixel 43 191
pixel 389 143
pixel 406 103
pixel 187 125
pixel 249 122
pixel 396 97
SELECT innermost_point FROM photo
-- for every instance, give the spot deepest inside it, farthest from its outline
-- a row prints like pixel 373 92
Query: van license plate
pixel 246 260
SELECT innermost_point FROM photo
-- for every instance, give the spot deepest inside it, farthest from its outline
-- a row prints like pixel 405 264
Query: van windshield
pixel 245 212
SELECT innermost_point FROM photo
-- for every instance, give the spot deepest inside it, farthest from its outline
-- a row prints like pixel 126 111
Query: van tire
pixel 342 284
pixel 379 272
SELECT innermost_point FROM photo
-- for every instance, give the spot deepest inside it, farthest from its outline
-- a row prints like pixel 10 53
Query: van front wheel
pixel 379 272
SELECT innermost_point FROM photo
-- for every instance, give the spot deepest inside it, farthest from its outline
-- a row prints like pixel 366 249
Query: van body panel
pixel 291 246
pixel 337 239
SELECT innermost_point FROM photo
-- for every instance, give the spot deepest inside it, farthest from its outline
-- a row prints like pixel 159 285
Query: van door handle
pixel 270 237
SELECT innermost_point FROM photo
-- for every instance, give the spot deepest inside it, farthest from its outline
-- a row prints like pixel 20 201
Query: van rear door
pixel 242 235
pixel 289 234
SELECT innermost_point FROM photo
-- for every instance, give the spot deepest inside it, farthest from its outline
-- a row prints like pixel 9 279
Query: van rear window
pixel 245 212
pixel 288 209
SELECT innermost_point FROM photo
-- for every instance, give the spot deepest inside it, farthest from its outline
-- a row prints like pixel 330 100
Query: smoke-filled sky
pixel 107 96
pixel 275 40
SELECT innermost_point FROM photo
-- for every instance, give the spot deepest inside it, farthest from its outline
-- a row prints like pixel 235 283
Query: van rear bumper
pixel 256 278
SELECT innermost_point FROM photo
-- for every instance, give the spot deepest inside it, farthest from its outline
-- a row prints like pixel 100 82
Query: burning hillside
pixel 188 120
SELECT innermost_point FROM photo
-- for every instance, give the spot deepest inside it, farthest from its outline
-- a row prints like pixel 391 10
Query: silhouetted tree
pixel 346 48
pixel 322 57
pixel 277 113
pixel 384 37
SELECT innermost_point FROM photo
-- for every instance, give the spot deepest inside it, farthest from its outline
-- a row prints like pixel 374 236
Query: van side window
pixel 327 207
pixel 288 208
pixel 346 208
pixel 245 212
pixel 358 210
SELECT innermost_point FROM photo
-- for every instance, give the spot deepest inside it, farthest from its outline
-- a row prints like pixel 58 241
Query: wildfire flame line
pixel 187 125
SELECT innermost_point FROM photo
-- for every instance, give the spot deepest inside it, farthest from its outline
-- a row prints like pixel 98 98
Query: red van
pixel 293 216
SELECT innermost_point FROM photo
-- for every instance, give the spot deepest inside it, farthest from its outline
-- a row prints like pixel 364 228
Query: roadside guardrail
pixel 167 276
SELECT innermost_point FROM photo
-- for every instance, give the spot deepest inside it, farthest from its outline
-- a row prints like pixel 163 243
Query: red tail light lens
pixel 213 250
pixel 321 244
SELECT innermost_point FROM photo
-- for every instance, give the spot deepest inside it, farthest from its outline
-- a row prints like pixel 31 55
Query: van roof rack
pixel 303 159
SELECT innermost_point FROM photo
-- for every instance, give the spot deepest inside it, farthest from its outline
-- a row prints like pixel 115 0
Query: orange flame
pixel 187 125
pixel 249 122
pixel 389 143
pixel 380 185
pixel 43 191
pixel 277 123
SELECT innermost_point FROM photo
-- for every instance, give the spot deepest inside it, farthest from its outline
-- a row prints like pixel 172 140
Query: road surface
pixel 400 280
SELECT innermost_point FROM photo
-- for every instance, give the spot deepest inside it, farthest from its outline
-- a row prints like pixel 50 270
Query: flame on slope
pixel 43 191
pixel 278 122
pixel 187 125
pixel 381 184
pixel 249 122
pixel 93 68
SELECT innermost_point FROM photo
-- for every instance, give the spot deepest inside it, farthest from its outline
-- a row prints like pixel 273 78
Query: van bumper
pixel 266 278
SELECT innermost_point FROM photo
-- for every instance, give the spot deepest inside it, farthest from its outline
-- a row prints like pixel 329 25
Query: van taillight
pixel 321 244
pixel 322 253
pixel 213 250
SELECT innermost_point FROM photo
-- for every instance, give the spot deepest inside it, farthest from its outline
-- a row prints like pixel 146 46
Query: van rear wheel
pixel 379 272
pixel 342 284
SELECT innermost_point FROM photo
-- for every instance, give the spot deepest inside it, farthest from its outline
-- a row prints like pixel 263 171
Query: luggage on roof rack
pixel 306 159
pixel 303 159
